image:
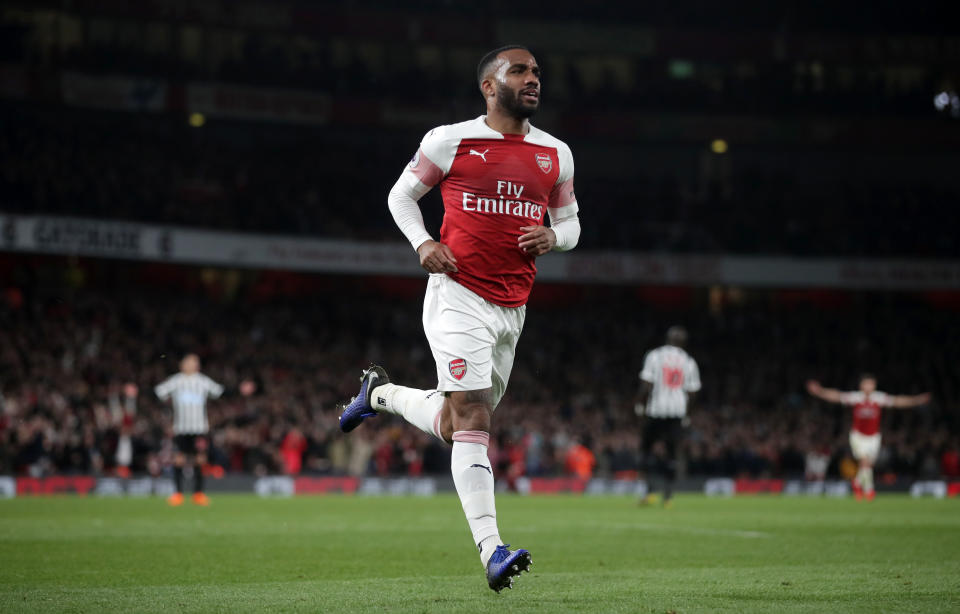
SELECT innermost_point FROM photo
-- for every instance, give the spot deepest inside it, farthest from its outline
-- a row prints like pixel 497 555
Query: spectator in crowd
pixel 64 359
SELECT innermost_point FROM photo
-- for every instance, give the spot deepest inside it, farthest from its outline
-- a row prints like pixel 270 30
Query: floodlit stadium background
pixel 203 176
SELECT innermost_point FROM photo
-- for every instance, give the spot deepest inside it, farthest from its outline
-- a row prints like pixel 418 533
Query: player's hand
pixel 814 387
pixel 924 398
pixel 536 240
pixel 435 257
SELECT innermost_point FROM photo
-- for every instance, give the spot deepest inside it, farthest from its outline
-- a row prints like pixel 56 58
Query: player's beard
pixel 509 100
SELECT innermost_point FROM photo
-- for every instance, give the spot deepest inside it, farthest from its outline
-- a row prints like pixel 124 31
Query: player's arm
pixel 643 394
pixel 214 390
pixel 691 382
pixel 246 388
pixel 906 401
pixel 164 389
pixel 563 234
pixel 646 385
pixel 831 395
pixel 403 200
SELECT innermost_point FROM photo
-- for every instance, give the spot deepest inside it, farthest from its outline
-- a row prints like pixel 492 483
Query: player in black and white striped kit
pixel 669 380
pixel 189 389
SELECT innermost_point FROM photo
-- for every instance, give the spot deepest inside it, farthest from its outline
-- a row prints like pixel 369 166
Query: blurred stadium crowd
pixel 722 55
pixel 829 124
pixel 568 411
pixel 700 127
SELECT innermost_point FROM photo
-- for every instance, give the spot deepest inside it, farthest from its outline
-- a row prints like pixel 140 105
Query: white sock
pixel 866 479
pixel 421 408
pixel 473 477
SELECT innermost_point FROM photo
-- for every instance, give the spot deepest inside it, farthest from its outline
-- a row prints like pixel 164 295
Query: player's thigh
pixel 510 326
pixel 456 323
pixel 650 433
pixel 855 447
pixel 185 444
pixel 865 447
pixel 673 435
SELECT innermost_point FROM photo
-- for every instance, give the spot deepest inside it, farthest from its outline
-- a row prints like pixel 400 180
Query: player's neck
pixel 507 124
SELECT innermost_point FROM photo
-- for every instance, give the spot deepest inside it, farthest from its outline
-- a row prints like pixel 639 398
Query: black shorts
pixel 667 430
pixel 190 444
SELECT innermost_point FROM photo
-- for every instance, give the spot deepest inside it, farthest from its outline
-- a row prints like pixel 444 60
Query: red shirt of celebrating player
pixel 866 410
pixel 496 188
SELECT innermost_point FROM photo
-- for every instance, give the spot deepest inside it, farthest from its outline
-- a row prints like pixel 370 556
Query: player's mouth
pixel 530 95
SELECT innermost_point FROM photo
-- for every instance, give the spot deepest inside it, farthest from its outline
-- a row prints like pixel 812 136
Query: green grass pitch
pixel 346 554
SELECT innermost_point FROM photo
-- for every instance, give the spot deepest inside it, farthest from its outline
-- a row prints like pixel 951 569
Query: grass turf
pixel 345 554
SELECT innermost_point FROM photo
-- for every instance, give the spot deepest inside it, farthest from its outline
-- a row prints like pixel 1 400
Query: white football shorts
pixel 473 340
pixel 864 446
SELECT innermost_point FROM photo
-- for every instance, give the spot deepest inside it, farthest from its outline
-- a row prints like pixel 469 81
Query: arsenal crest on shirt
pixel 458 368
pixel 544 162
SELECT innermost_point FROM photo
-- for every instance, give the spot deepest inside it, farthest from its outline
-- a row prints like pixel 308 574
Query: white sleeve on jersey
pixel 428 166
pixel 565 175
pixel 214 390
pixel 433 159
pixel 648 374
pixel 439 147
pixel 566 228
pixel 403 205
pixel 691 379
pixel 882 399
pixel 563 206
pixel 164 389
pixel 851 398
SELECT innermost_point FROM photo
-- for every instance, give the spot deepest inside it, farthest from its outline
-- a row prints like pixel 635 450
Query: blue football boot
pixel 504 564
pixel 360 408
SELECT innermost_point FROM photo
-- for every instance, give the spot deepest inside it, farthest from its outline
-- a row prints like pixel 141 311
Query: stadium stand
pixel 67 353
pixel 323 183
pixel 841 144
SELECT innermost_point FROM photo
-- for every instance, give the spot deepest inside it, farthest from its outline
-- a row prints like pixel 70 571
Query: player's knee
pixel 179 460
pixel 470 410
pixel 446 424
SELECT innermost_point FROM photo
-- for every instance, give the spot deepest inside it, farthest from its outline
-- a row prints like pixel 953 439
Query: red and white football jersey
pixel 866 410
pixel 492 184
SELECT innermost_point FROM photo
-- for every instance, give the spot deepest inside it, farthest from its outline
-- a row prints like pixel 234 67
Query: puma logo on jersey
pixel 474 152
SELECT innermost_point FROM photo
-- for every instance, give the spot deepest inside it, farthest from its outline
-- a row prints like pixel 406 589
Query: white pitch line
pixel 624 526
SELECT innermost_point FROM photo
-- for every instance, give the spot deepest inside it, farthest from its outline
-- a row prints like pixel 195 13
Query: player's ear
pixel 486 88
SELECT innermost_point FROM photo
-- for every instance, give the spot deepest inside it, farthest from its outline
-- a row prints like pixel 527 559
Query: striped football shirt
pixel 674 374
pixel 189 394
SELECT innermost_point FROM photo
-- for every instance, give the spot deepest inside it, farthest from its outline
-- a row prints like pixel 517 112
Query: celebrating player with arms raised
pixel 865 433
pixel 499 178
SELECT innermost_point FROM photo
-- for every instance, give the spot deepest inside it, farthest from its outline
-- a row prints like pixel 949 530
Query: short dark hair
pixel 489 58
pixel 864 376
pixel 677 335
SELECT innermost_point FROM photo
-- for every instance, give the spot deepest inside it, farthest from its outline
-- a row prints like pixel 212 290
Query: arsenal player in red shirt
pixel 500 178
pixel 865 432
